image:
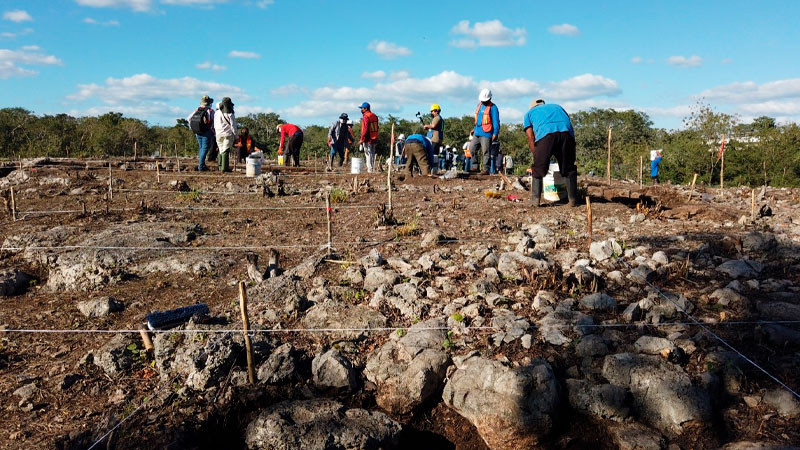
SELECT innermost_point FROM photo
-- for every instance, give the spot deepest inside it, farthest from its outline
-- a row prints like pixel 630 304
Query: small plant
pixel 457 317
pixel 189 196
pixel 338 195
pixel 415 320
pixel 448 341
pixel 400 332
pixel 410 228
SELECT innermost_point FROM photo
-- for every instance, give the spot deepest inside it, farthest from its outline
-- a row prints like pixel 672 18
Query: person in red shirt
pixel 294 143
pixel 369 135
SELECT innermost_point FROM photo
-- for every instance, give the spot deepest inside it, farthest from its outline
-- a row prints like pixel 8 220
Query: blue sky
pixel 311 60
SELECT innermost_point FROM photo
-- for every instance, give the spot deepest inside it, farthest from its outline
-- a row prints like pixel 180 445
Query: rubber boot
pixel 572 188
pixel 536 192
pixel 223 162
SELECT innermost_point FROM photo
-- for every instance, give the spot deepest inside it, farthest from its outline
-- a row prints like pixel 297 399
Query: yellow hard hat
pixel 435 107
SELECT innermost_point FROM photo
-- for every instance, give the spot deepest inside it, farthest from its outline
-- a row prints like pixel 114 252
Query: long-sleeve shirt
pixel 225 124
pixel 368 135
pixel 424 141
pixel 494 114
pixel 339 134
pixel 654 166
pixel 288 129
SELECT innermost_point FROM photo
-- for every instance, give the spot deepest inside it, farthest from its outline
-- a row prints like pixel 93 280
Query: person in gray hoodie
pixel 226 129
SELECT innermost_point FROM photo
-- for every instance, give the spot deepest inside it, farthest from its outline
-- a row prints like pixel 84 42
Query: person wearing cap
pixel 339 137
pixel 418 149
pixel 369 135
pixel 293 144
pixel 654 167
pixel 467 155
pixel 204 140
pixel 436 132
pixel 400 154
pixel 226 130
pixel 487 128
pixel 550 133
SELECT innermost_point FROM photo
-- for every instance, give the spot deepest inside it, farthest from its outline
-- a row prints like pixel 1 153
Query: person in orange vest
pixel 369 135
pixel 487 129
pixel 467 156
pixel 294 143
pixel 245 145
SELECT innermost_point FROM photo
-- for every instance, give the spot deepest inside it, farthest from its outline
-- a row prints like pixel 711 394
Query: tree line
pixel 756 152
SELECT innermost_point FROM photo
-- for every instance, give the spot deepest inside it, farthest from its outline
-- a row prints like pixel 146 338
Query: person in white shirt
pixel 226 129
pixel 508 164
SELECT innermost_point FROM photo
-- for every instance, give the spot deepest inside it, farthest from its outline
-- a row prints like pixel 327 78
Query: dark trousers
pixel 293 148
pixel 337 151
pixel 416 152
pixel 560 145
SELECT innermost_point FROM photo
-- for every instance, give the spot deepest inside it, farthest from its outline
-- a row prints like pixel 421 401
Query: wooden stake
pixel 158 172
pixel 148 344
pixel 589 218
pixel 110 184
pixel 765 172
pixel 691 191
pixel 251 373
pixel 13 205
pixel 355 184
pixel 135 151
pixel 752 204
pixel 328 215
pixel 608 159
pixel 177 161
pixel 722 166
pixel 641 165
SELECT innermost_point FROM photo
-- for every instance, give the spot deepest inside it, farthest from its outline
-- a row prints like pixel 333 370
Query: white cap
pixel 278 128
pixel 485 95
pixel 401 137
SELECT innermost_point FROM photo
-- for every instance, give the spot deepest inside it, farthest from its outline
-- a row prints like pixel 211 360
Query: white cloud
pixel 263 4
pixel 511 88
pixel 491 33
pixel 682 61
pixel 243 54
pixel 749 91
pixel 141 110
pixel 135 5
pixel 581 87
pixel 142 88
pixel 208 65
pixel 289 89
pixel 10 35
pixel 388 50
pixel 636 59
pixel 399 75
pixel 564 29
pixel 376 75
pixel 243 110
pixel 107 23
pixel 17 15
pixel 12 61
pixel 678 111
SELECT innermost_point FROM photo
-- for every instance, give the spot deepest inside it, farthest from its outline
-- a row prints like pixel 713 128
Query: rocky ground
pixel 463 321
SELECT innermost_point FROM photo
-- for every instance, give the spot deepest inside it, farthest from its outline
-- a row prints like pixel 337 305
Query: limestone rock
pixel 100 307
pixel 598 302
pixel 339 315
pixel 331 370
pixel 378 277
pixel 511 265
pixel 605 401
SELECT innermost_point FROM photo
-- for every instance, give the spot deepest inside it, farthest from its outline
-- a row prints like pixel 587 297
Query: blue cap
pixel 364 105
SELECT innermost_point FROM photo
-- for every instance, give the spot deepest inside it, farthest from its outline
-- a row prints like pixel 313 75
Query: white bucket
pixel 254 162
pixel 551 183
pixel 356 165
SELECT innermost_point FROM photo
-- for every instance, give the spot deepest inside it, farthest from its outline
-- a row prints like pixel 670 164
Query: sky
pixel 309 61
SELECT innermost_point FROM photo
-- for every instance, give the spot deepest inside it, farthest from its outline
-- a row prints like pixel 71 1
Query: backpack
pixel 199 122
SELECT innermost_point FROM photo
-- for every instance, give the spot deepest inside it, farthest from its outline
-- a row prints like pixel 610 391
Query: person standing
pixel 201 122
pixel 293 144
pixel 550 133
pixel 436 133
pixel 508 165
pixel 487 128
pixel 418 148
pixel 369 135
pixel 226 131
pixel 467 156
pixel 654 167
pixel 339 137
pixel 400 156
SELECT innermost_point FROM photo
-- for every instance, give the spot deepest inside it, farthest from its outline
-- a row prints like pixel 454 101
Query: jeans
pixel 467 163
pixel 442 163
pixel 202 142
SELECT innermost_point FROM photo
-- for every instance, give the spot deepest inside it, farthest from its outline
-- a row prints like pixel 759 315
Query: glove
pixel 280 152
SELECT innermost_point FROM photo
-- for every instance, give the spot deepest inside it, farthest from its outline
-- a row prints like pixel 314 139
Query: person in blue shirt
pixel 654 167
pixel 487 129
pixel 550 133
pixel 420 149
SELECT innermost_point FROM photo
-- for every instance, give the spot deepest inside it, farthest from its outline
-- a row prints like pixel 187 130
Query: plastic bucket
pixel 254 162
pixel 356 165
pixel 552 182
pixel 280 160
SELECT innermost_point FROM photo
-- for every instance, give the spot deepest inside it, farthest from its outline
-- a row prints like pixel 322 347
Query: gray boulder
pixel 408 370
pixel 509 325
pixel 663 393
pixel 379 277
pixel 603 250
pixel 342 316
pixel 279 367
pixel 115 358
pixel 510 407
pixel 320 424
pixel 653 345
pixel 740 268
pixel 635 436
pixel 512 264
pixel 100 307
pixel 599 302
pixel 779 311
pixel 373 259
pixel 556 325
pixel 591 345
pixel 604 401
pixel 331 370
pixel 783 401
pixel 204 361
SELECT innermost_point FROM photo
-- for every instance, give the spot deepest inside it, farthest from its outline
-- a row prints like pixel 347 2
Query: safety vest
pixel 467 153
pixel 486 120
pixel 372 125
